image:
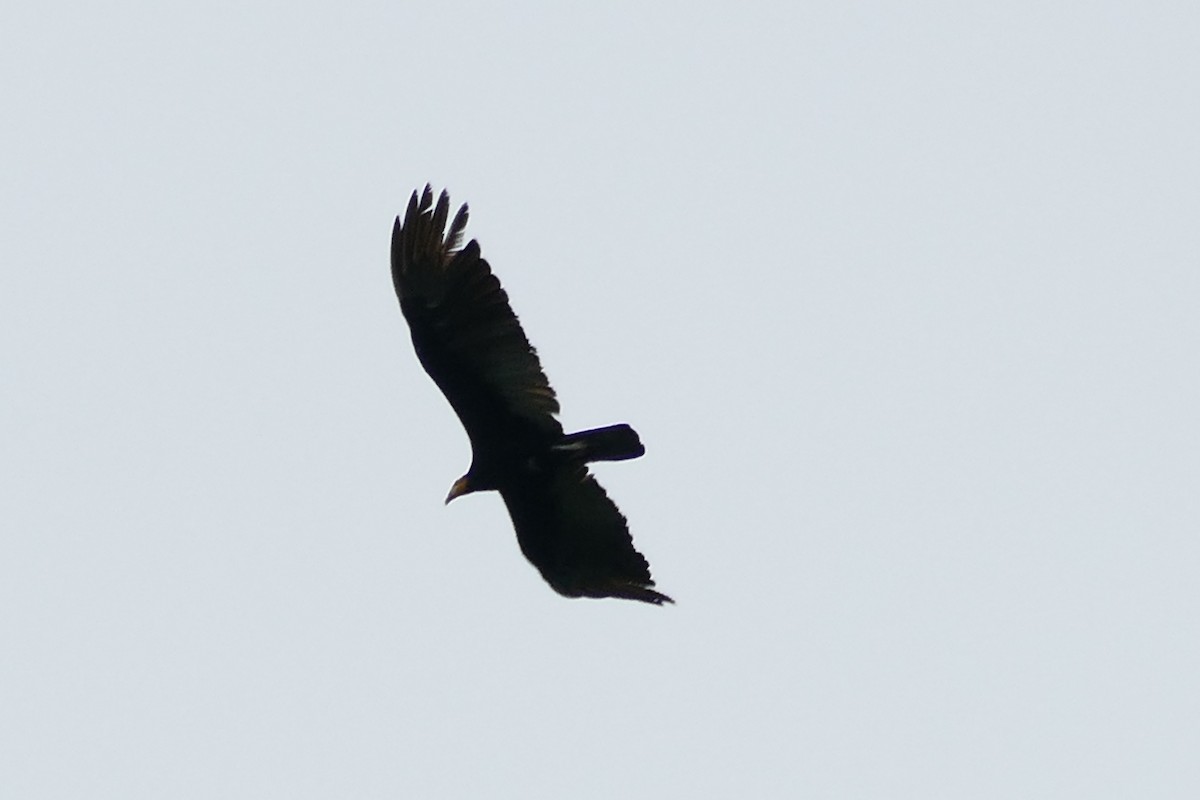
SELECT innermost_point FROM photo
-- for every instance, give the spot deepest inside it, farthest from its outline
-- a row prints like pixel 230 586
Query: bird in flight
pixel 470 342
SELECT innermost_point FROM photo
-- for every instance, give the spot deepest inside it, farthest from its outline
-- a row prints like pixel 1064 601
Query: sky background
pixel 902 298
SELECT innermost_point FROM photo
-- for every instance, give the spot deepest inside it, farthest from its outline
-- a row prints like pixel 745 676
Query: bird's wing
pixel 463 328
pixel 577 537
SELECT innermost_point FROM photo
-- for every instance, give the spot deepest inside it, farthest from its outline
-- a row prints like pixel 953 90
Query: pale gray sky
pixel 902 298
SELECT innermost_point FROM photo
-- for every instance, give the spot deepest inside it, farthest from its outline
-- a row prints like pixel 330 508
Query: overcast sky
pixel 903 299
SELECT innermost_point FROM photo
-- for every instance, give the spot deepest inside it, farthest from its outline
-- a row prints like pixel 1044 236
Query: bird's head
pixel 461 486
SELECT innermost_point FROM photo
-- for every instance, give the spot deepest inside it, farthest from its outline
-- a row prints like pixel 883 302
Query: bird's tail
pixel 611 443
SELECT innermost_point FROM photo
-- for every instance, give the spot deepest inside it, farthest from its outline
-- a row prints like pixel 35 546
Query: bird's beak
pixel 461 486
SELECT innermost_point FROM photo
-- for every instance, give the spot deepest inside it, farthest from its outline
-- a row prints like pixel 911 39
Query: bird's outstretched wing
pixel 577 537
pixel 463 328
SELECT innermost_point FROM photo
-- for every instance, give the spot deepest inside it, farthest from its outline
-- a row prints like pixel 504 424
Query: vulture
pixel 469 341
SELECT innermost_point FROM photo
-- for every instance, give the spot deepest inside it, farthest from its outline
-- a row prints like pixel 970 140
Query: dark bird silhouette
pixel 470 342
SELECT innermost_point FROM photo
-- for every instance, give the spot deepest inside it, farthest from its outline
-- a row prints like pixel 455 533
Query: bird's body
pixel 469 341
